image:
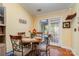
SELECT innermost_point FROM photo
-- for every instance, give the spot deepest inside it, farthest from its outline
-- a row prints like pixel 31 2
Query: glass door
pixel 55 31
pixel 53 27
pixel 44 25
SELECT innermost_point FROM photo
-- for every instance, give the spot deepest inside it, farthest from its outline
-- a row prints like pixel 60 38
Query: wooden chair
pixel 43 47
pixel 17 45
pixel 28 45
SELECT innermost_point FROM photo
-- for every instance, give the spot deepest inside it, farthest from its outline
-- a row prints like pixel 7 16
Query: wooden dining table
pixel 31 40
pixel 34 43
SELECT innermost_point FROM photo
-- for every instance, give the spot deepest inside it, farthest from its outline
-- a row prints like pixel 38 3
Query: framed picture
pixel 66 24
pixel 22 21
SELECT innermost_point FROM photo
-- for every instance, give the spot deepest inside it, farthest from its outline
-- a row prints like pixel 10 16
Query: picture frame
pixel 22 21
pixel 66 24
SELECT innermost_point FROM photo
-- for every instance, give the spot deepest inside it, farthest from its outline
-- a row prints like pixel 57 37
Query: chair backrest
pixel 21 33
pixel 16 42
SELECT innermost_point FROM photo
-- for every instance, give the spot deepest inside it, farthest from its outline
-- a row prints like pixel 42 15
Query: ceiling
pixel 45 7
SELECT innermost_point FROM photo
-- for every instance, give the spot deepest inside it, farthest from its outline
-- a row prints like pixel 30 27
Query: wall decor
pixel 75 29
pixel 69 17
pixel 66 24
pixel 23 21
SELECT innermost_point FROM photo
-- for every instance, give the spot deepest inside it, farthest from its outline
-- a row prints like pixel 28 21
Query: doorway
pixel 54 27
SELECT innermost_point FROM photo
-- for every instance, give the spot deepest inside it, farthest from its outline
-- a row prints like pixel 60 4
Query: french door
pixel 55 29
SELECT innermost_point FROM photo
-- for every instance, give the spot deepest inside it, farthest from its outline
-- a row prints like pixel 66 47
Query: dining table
pixel 32 41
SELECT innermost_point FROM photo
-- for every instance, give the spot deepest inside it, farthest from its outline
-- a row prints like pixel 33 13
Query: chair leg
pixel 13 52
pixel 22 53
pixel 22 50
pixel 49 52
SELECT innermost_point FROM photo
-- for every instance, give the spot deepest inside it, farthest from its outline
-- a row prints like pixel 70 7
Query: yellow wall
pixel 66 33
pixel 75 37
pixel 14 12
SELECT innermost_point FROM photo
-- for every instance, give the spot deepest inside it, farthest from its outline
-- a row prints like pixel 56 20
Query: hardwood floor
pixel 59 51
pixel 54 51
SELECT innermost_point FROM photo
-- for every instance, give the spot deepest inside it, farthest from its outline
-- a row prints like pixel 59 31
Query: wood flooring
pixel 53 51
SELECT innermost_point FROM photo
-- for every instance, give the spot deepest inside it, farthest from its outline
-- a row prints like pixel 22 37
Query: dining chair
pixel 43 47
pixel 28 45
pixel 36 44
pixel 18 47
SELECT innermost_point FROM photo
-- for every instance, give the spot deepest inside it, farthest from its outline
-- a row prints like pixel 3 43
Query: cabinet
pixel 2 32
